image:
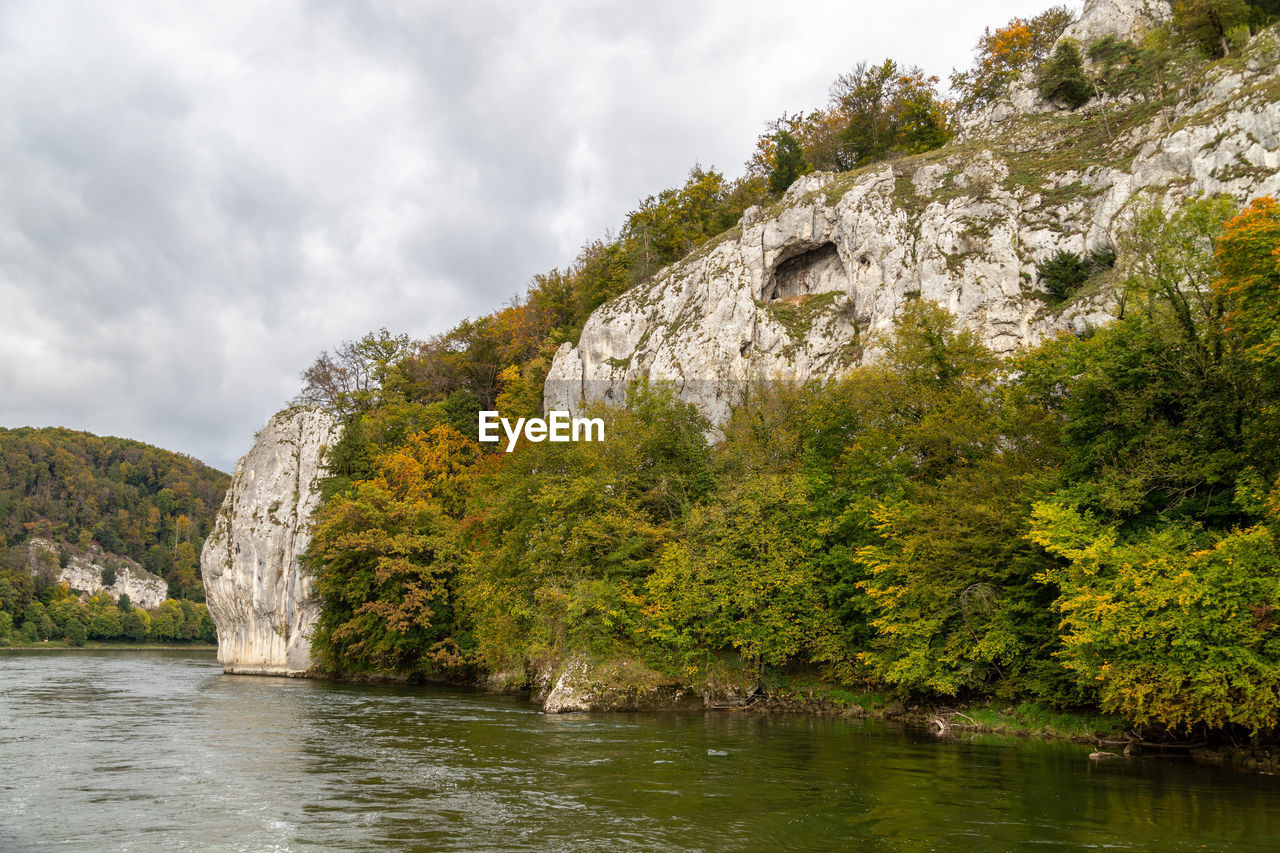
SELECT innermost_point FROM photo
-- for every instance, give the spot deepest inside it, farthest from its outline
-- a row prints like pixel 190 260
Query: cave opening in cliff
pixel 818 270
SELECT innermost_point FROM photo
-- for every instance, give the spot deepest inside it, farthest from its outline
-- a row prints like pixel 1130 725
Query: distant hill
pixel 135 500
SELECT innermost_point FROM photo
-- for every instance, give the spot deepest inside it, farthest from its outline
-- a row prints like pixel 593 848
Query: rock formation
pixel 803 289
pixel 618 685
pixel 84 572
pixel 1124 19
pixel 258 596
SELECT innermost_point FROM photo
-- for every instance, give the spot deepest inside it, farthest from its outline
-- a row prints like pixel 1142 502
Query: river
pixel 142 750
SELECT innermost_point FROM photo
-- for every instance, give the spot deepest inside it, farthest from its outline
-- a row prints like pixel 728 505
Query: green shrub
pixel 1063 273
pixel 1121 67
pixel 1061 78
pixel 1211 25
pixel 77 633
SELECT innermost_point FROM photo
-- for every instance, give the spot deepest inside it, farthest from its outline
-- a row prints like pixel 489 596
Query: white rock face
pixel 84 572
pixel 258 597
pixel 1124 19
pixel 805 289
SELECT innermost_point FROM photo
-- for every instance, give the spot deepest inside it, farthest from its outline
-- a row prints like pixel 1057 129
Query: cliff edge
pixel 805 288
pixel 258 597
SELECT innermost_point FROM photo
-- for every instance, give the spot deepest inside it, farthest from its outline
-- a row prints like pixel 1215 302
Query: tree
pixel 887 110
pixel 35 615
pixel 954 605
pixel 349 380
pixel 789 162
pixel 1003 55
pixel 135 624
pixel 864 96
pixel 168 621
pixel 1248 261
pixel 1247 285
pixel 1208 24
pixel 384 554
pixel 106 624
pixel 64 613
pixel 561 536
pixel 1063 272
pixel 1062 77
pixel 1155 407
pixel 76 632
pixel 744 575
pixel 1175 627
pixel 184 574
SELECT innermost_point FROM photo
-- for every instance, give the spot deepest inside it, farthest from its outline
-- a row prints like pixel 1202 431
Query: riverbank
pixel 63 645
pixel 1020 719
pixel 629 685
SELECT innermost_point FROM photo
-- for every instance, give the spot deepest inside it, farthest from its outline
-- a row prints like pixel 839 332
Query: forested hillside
pixel 132 499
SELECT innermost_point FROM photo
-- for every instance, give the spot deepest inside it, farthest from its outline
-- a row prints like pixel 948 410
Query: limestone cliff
pixel 85 569
pixel 804 288
pixel 258 597
pixel 1125 19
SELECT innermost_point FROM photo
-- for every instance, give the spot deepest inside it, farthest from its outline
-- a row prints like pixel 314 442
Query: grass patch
pixel 796 314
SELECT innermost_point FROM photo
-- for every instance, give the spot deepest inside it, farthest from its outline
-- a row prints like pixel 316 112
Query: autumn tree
pixel 562 535
pixel 1155 407
pixel 1247 285
pixel 384 553
pixel 954 605
pixel 745 575
pixel 1004 54
pixel 885 110
pixel 1247 257
pixel 348 381
pixel 1176 627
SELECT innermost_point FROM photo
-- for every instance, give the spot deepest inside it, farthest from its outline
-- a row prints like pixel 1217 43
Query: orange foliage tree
pixel 384 553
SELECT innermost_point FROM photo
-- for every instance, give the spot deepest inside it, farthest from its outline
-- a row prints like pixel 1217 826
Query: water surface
pixel 139 751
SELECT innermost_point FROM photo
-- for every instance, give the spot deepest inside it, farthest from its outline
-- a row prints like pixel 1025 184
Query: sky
pixel 198 197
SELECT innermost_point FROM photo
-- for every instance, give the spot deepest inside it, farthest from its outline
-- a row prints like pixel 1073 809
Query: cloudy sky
pixel 198 197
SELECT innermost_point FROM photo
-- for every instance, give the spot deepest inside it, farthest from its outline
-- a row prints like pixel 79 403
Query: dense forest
pixel 121 496
pixel 1090 524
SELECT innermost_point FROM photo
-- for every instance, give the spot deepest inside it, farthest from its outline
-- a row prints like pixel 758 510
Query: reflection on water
pixel 159 750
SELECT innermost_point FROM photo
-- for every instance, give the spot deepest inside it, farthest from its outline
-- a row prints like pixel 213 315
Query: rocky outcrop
pixel 1124 19
pixel 258 596
pixel 806 288
pixel 1127 20
pixel 85 571
pixel 617 685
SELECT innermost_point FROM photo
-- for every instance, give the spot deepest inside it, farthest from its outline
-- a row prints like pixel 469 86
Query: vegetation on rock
pixel 1090 524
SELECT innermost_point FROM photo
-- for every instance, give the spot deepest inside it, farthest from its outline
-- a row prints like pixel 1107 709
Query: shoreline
pixel 103 645
pixel 1111 736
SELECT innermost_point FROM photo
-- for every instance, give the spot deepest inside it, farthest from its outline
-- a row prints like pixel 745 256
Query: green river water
pixel 137 750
